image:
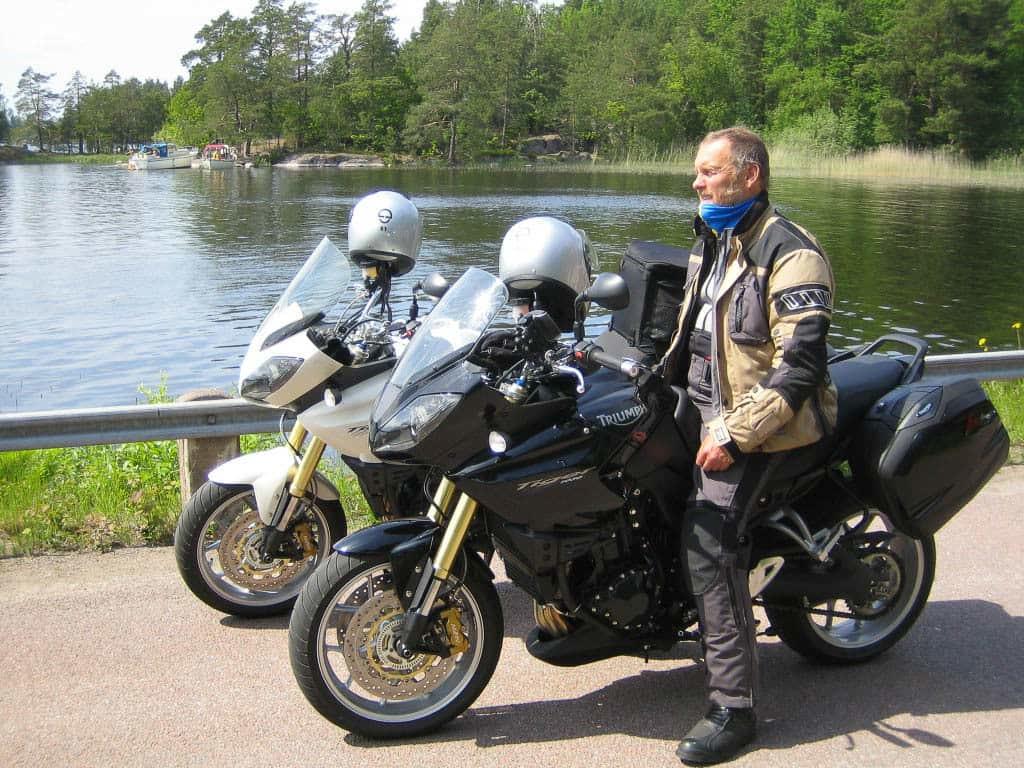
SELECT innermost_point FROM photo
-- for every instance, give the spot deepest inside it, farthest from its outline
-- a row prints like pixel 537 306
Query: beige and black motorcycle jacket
pixel 771 315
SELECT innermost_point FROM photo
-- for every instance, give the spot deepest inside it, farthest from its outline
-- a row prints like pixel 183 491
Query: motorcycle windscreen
pixel 321 282
pixel 447 335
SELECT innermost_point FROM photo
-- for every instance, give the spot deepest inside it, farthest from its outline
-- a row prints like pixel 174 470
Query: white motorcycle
pixel 250 536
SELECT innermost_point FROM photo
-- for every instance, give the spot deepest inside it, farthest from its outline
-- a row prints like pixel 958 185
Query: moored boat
pixel 217 156
pixel 160 156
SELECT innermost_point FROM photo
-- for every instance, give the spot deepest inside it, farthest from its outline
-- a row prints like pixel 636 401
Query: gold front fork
pixel 455 525
pixel 296 436
pixel 302 474
pixel 454 535
pixel 442 503
pixel 307 466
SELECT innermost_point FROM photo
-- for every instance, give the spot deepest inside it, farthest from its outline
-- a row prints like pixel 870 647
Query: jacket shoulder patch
pixel 801 298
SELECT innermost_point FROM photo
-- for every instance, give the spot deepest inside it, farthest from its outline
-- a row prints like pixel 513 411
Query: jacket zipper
pixel 816 405
pixel 716 381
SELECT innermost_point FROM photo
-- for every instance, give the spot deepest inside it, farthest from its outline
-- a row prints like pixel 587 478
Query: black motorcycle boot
pixel 718 737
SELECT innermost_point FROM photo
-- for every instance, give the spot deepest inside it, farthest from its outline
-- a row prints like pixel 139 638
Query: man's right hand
pixel 712 457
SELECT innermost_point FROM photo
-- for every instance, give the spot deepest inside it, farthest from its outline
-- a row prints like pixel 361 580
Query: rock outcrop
pixel 339 160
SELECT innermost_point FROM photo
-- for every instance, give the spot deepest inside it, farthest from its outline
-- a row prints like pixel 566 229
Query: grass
pixel 102 497
pixel 17 156
pixel 901 165
pixel 107 496
pixel 1008 398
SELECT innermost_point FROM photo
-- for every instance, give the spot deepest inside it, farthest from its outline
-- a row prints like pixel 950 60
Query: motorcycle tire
pixel 216 546
pixel 906 569
pixel 341 641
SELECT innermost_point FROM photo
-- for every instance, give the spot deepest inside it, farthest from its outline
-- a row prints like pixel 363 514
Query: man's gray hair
pixel 747 148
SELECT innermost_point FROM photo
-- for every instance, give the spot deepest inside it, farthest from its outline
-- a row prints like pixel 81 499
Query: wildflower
pixel 983 343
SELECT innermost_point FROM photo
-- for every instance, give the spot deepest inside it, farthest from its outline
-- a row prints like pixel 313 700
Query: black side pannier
pixel 656 276
pixel 924 450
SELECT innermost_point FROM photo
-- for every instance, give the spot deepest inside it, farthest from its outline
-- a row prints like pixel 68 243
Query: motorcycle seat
pixel 860 381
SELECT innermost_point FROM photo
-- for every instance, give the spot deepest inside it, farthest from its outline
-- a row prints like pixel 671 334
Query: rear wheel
pixel 342 643
pixel 842 632
pixel 217 547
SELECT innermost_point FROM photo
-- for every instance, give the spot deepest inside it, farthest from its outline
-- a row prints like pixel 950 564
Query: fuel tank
pixel 555 476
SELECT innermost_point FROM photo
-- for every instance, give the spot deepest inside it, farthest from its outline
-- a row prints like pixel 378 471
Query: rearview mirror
pixel 435 285
pixel 609 291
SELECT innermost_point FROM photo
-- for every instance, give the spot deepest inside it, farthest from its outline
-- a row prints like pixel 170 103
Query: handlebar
pixel 623 365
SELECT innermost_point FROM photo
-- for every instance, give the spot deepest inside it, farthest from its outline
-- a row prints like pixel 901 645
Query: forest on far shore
pixel 614 77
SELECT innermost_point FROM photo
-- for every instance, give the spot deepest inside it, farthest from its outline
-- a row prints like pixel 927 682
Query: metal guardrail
pixel 136 423
pixel 984 366
pixel 226 418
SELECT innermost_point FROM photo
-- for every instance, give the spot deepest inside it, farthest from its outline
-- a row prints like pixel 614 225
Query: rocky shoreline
pixel 332 160
pixel 537 149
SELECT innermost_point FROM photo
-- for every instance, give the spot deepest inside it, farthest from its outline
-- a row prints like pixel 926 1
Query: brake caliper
pixel 304 535
pixel 457 640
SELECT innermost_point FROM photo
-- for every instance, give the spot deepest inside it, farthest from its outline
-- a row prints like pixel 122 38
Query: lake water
pixel 110 279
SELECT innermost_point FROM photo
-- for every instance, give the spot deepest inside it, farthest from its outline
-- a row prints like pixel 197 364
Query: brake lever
pixel 566 370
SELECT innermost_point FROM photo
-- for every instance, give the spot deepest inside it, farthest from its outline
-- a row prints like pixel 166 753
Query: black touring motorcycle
pixel 567 461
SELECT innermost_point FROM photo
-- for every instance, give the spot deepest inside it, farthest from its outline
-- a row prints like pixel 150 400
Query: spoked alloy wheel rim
pixel 229 560
pixel 898 563
pixel 363 670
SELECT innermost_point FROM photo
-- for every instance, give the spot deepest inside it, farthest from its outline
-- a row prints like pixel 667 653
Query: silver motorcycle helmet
pixel 545 263
pixel 385 228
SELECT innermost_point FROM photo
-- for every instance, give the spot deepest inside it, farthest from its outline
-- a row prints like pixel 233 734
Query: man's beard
pixel 734 193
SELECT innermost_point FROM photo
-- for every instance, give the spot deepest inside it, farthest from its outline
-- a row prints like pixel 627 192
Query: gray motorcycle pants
pixel 716 574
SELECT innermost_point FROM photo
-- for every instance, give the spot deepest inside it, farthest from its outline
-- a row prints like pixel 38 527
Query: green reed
pixel 885 164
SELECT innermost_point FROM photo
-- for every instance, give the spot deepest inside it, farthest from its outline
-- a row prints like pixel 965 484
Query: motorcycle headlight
pixel 413 422
pixel 269 377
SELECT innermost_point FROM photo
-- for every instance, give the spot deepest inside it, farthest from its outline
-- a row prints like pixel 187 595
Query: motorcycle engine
pixel 627 599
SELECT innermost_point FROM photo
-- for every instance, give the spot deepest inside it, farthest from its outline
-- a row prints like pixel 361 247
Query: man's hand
pixel 711 457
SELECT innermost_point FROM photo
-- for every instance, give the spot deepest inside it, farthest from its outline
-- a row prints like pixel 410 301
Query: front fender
pixel 269 472
pixel 407 543
pixel 382 538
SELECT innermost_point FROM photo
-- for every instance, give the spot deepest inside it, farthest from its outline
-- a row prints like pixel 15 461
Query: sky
pixel 143 40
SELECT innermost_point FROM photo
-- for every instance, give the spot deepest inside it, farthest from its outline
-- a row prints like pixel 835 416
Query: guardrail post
pixel 197 456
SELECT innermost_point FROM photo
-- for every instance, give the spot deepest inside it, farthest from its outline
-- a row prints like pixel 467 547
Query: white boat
pixel 160 156
pixel 217 157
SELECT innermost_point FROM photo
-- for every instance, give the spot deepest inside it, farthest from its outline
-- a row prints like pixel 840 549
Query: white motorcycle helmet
pixel 385 228
pixel 545 263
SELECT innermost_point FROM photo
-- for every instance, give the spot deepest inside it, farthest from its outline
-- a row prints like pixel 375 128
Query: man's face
pixel 718 180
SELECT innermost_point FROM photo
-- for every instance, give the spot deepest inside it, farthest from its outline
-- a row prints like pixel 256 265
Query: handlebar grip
pixel 623 365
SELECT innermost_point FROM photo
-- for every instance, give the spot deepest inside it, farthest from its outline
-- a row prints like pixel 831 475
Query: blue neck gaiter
pixel 723 217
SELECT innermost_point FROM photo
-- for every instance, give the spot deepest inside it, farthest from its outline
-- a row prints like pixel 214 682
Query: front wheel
pixel 217 547
pixel 842 632
pixel 342 640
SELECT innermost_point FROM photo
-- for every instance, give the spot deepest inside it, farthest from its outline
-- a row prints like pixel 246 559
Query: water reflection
pixel 111 279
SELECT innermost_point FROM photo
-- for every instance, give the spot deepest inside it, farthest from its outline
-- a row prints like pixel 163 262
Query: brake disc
pixel 239 553
pixel 369 643
pixel 885 583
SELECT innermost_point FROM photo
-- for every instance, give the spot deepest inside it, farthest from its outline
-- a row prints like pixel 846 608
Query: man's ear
pixel 752 177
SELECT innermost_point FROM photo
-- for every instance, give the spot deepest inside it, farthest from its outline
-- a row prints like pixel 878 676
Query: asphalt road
pixel 107 660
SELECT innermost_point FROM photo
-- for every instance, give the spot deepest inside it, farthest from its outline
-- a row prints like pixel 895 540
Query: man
pixel 750 347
